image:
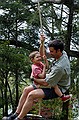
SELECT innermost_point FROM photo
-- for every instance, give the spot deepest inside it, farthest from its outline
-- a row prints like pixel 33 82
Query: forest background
pixel 19 35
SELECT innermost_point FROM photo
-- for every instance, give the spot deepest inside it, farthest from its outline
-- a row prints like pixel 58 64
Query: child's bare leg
pixel 63 97
pixel 58 91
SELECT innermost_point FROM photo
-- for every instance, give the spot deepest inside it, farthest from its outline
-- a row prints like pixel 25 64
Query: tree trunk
pixel 16 72
pixel 11 97
pixel 17 92
pixel 67 48
pixel 65 109
pixel 6 100
pixel 69 28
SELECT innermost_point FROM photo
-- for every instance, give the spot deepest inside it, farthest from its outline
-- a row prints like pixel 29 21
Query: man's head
pixel 56 47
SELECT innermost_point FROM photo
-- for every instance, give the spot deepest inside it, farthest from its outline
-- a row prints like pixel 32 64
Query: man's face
pixel 53 52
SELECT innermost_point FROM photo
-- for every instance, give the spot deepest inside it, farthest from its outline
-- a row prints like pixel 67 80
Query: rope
pixel 41 26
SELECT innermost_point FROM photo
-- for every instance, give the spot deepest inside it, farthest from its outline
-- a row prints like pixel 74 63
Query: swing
pixel 41 26
pixel 54 1
pixel 38 2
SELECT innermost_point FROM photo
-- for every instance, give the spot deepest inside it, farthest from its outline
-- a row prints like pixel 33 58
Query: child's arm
pixel 43 74
pixel 45 67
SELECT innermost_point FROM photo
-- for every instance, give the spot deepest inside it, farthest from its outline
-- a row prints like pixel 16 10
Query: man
pixel 58 74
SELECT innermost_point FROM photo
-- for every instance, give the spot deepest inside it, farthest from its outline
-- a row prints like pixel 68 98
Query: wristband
pixel 32 79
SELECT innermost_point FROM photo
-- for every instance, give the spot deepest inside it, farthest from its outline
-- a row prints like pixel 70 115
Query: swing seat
pixel 34 117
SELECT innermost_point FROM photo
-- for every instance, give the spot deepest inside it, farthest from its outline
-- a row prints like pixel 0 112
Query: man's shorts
pixel 34 86
pixel 49 93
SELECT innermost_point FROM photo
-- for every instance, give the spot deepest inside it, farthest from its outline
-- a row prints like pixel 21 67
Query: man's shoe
pixel 6 118
pixel 11 117
pixel 20 119
pixel 17 118
pixel 65 98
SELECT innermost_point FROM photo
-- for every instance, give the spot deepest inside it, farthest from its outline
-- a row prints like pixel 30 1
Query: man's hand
pixel 42 38
pixel 41 82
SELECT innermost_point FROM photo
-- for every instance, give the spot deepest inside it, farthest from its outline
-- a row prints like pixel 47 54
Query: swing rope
pixel 41 26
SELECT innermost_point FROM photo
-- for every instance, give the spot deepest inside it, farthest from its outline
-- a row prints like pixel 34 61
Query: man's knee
pixel 31 95
pixel 25 91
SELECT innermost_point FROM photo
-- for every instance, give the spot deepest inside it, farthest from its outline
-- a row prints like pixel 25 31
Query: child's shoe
pixel 65 98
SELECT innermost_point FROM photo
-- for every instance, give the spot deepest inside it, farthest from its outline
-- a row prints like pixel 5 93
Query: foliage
pixel 13 22
pixel 19 21
pixel 10 60
pixel 49 109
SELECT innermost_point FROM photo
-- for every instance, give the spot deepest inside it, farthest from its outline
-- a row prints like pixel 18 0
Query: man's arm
pixel 42 48
pixel 41 82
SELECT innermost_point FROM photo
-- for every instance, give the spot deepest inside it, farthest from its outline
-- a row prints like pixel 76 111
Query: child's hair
pixel 32 55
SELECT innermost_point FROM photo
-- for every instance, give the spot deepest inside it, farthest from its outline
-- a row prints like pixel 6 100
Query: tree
pixel 55 25
pixel 10 59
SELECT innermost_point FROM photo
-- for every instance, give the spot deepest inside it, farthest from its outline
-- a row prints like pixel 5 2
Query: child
pixel 38 68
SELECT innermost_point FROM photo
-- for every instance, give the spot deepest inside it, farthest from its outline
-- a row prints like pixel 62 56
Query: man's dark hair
pixel 56 44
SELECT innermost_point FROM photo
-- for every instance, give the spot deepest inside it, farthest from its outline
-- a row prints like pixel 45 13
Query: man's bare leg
pixel 23 98
pixel 35 94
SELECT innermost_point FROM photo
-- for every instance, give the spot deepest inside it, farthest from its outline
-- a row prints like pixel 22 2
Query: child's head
pixel 35 57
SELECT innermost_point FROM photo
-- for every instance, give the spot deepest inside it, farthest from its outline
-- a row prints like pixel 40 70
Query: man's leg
pixel 23 98
pixel 35 94
pixel 21 102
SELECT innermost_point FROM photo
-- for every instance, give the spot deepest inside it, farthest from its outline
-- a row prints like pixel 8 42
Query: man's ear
pixel 58 50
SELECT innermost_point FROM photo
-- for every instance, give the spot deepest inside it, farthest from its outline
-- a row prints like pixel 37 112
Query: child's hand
pixel 44 57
